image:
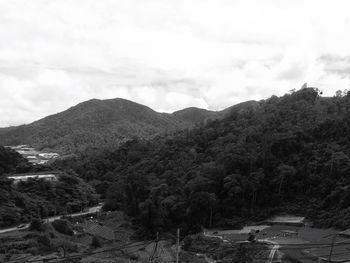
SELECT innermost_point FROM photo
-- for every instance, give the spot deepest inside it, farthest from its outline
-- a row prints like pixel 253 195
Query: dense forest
pixel 100 124
pixel 286 154
pixel 36 198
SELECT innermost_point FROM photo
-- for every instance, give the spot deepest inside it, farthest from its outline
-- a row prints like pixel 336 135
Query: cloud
pixel 166 54
pixel 336 65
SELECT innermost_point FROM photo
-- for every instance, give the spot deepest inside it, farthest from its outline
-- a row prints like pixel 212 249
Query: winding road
pixel 274 249
pixel 91 210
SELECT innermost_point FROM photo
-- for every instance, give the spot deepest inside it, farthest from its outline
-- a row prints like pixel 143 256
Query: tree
pixel 201 207
pixel 63 226
pixel 256 180
pixel 36 225
pixel 283 173
pixel 95 242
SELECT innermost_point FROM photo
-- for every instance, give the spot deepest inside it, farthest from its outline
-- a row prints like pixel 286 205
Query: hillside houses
pixel 21 178
pixel 34 156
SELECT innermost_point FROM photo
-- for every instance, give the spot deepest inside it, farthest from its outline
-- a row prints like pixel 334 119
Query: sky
pixel 166 54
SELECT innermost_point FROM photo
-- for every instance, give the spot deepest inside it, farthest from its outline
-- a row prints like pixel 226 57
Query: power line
pixel 293 245
pixel 314 256
pixel 128 245
pixel 263 246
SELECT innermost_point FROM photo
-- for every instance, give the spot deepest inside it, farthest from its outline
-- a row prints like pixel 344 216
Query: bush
pixel 67 245
pixel 36 225
pixel 110 205
pixel 63 226
pixel 95 242
pixel 32 250
pixel 44 242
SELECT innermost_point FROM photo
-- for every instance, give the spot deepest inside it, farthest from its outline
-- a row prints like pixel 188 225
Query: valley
pixel 216 181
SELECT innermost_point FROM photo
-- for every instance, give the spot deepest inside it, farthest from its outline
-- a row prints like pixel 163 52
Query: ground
pixel 23 245
pixel 300 244
pixel 287 242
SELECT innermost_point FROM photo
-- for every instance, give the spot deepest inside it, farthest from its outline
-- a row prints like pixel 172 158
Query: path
pixel 91 210
pixel 273 251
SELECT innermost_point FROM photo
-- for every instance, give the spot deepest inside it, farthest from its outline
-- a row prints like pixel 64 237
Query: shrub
pixel 32 250
pixel 36 225
pixel 67 245
pixel 63 226
pixel 95 242
pixel 44 242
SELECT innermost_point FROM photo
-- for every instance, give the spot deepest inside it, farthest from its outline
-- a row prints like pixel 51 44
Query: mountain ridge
pixel 102 123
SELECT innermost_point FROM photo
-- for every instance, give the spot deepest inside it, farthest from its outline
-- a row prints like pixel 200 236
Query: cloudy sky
pixel 166 54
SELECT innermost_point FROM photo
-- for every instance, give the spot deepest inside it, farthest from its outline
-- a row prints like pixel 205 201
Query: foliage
pixel 36 225
pixel 98 123
pixel 63 226
pixel 287 153
pixel 95 242
pixel 10 160
pixel 36 198
pixel 257 161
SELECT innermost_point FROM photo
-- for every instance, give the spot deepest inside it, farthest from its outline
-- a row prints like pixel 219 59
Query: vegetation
pixel 11 161
pixel 63 226
pixel 287 154
pixel 36 225
pixel 95 242
pixel 37 198
pixel 97 124
pixel 30 244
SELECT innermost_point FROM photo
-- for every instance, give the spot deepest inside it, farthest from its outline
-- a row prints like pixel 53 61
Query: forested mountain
pixel 196 115
pixel 287 154
pixel 100 123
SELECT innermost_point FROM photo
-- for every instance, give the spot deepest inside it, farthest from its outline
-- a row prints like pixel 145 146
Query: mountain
pixel 194 115
pixel 101 123
pixel 240 108
pixel 290 155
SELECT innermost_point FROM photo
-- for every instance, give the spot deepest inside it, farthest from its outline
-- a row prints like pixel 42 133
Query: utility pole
pixel 211 217
pixel 177 245
pixel 242 253
pixel 157 240
pixel 332 246
pixel 154 255
pixel 330 174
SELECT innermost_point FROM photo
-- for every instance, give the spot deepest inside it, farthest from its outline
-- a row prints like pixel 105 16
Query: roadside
pixel 288 242
pixel 22 226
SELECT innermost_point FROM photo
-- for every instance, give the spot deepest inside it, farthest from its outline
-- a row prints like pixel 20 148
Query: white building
pixel 19 178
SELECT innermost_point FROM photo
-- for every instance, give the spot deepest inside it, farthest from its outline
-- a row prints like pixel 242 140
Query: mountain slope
pixel 196 115
pixel 98 123
pixel 240 108
pixel 291 155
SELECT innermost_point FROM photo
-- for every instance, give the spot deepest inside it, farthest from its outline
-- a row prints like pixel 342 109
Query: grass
pixel 305 235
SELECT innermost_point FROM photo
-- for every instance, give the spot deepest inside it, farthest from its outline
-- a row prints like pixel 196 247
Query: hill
pixel 195 115
pixel 291 154
pixel 240 108
pixel 19 202
pixel 100 123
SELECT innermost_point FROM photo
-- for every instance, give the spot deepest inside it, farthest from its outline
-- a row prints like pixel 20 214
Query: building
pixel 287 220
pixel 49 155
pixel 21 178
